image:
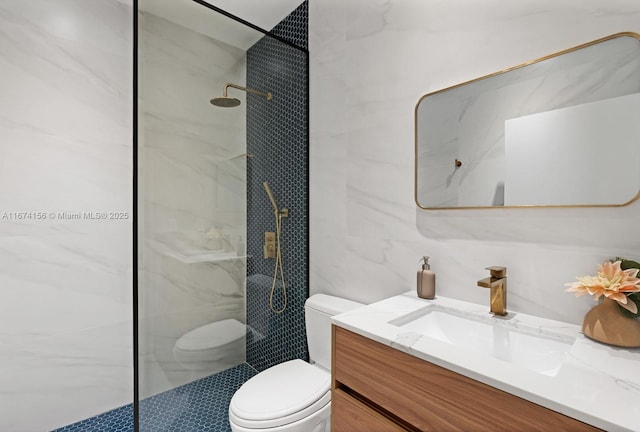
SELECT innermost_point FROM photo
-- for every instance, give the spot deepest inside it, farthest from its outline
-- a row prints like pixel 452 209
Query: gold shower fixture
pixel 284 212
pixel 225 101
pixel 279 214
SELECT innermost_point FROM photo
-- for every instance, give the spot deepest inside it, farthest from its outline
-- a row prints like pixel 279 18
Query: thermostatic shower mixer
pixel 269 244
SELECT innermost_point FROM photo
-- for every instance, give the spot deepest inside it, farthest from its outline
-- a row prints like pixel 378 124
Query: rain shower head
pixel 225 101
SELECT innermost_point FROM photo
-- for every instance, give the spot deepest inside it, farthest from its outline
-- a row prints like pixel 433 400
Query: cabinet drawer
pixel 432 398
pixel 349 414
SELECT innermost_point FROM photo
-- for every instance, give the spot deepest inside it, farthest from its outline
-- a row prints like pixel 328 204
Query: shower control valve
pixel 269 244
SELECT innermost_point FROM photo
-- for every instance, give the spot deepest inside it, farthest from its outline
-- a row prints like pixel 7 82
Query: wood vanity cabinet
pixel 378 388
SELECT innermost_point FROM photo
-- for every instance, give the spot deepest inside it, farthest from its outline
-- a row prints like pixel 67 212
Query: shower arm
pixel 269 96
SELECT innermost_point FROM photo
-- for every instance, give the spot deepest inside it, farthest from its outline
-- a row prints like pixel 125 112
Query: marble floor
pixel 198 406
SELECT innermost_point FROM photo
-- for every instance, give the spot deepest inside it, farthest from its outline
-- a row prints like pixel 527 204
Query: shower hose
pixel 278 265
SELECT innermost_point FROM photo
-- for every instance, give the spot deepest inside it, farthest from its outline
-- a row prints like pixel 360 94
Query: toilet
pixel 294 396
pixel 212 347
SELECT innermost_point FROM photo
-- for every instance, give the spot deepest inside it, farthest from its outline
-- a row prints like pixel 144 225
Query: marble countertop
pixel 596 384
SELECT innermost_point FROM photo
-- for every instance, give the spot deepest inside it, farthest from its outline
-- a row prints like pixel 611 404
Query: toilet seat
pixel 280 395
pixel 214 335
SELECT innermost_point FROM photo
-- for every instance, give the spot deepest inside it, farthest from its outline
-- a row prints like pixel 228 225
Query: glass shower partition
pixel 193 199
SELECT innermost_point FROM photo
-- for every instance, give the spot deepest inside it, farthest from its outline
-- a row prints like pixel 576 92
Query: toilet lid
pixel 212 335
pixel 281 395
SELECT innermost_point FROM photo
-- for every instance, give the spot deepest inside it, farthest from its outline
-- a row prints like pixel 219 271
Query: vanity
pixel 505 140
pixel 408 364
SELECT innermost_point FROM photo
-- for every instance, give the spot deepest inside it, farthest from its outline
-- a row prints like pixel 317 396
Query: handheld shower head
pixel 270 194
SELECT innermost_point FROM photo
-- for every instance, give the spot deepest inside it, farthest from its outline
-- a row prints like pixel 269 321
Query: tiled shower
pixel 201 210
pixel 206 171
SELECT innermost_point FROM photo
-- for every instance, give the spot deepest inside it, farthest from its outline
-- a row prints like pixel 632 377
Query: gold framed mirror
pixel 559 131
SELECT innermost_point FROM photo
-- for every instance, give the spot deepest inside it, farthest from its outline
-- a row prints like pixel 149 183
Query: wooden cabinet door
pixel 431 398
pixel 349 415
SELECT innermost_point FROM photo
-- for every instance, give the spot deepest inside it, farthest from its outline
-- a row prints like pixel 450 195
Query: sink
pixel 497 337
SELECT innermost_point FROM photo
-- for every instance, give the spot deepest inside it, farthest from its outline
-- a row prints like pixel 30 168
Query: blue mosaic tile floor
pixel 117 420
pixel 200 406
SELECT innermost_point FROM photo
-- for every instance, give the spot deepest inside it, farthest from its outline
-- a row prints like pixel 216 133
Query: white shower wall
pixel 192 164
pixel 65 158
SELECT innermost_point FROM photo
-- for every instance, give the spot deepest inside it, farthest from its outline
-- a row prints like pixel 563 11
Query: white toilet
pixel 213 347
pixel 294 396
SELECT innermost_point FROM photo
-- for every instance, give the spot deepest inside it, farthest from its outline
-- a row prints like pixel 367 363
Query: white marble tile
pixel 327 164
pixel 65 128
pixel 387 262
pixel 68 376
pixel 395 52
pixel 380 206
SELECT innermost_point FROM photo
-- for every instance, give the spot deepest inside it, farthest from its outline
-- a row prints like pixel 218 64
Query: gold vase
pixel 605 323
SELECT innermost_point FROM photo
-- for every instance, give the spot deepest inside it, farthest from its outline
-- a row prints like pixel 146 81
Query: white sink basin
pixel 523 347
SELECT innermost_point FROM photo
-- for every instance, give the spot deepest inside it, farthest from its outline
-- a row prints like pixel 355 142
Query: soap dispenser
pixel 426 280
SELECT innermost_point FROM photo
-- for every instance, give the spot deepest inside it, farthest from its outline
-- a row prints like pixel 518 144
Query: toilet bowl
pixel 212 347
pixel 303 390
pixel 294 396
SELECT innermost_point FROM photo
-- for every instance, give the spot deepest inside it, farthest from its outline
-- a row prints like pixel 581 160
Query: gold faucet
pixel 497 282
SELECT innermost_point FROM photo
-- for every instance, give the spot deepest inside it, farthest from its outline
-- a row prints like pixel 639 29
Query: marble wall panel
pixel 391 53
pixel 328 158
pixel 65 156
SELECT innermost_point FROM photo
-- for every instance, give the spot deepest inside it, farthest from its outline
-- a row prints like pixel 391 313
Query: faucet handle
pixel 497 271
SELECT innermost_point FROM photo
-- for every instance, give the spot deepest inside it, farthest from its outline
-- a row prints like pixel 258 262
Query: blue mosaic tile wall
pixel 200 406
pixel 295 27
pixel 277 136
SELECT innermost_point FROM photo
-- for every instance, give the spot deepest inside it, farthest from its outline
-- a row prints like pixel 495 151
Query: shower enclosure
pixel 203 281
pixel 192 183
pixel 133 212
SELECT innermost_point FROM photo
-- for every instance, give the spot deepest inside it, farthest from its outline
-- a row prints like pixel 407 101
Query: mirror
pixel 563 130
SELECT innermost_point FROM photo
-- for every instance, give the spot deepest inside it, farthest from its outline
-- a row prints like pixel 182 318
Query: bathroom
pixel 67 344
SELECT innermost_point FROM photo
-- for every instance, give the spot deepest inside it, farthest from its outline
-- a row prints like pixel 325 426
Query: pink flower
pixel 612 282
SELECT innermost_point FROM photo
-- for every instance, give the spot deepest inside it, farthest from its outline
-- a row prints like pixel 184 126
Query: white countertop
pixel 596 383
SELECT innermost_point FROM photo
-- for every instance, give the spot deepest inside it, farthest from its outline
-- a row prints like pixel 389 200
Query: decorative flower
pixel 612 282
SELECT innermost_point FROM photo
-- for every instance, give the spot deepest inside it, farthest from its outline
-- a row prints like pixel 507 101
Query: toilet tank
pixel 318 310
